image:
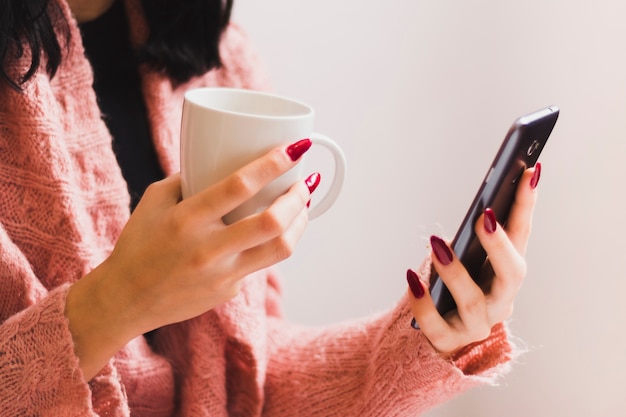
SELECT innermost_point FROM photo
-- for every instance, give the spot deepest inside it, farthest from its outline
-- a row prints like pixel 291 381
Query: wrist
pixel 99 320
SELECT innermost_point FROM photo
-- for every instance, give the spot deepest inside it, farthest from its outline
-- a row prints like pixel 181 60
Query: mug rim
pixel 190 98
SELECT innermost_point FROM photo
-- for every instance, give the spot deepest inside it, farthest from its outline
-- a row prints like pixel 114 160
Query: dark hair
pixel 184 35
pixel 183 40
pixel 30 24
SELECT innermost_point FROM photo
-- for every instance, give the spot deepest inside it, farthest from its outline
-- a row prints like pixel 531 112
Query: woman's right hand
pixel 177 259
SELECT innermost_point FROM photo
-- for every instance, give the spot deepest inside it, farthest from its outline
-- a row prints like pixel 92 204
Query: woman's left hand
pixel 477 312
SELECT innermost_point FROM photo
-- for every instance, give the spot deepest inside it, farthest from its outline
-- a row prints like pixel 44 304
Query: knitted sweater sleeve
pixel 39 373
pixel 378 366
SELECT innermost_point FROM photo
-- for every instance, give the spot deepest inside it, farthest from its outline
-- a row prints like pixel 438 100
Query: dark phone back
pixel 519 150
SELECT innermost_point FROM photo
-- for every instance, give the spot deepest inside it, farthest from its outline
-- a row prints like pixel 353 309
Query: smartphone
pixel 519 150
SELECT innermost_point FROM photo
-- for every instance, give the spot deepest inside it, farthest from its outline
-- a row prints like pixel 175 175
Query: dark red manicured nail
pixel 441 250
pixel 313 181
pixel 536 175
pixel 414 284
pixel 490 222
pixel 296 150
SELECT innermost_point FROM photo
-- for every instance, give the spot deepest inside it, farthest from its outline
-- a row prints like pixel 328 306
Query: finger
pixel 259 228
pixel 229 193
pixel 509 267
pixel 519 223
pixel 425 314
pixel 166 192
pixel 468 296
pixel 275 250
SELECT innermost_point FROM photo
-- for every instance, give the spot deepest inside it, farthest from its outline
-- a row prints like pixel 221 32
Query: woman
pixel 168 311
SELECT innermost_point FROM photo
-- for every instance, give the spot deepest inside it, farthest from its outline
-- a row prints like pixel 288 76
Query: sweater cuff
pixel 39 371
pixel 489 357
pixel 484 361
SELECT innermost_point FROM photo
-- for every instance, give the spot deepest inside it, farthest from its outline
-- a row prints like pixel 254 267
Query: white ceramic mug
pixel 224 129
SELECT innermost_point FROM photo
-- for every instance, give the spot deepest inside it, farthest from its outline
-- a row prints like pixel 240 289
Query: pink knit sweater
pixel 63 204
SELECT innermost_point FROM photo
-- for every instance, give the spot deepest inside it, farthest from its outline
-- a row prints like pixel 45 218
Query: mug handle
pixel 340 173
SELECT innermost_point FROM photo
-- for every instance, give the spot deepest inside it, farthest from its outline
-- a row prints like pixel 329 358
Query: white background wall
pixel 419 94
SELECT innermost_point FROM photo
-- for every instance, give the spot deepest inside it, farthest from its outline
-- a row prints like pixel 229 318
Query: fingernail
pixel 313 181
pixel 441 250
pixel 414 284
pixel 490 222
pixel 536 175
pixel 296 150
pixel 414 324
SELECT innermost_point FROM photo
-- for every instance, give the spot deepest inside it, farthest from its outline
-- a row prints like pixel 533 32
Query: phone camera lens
pixel 532 148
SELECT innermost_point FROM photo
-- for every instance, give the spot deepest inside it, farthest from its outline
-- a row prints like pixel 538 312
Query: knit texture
pixel 64 203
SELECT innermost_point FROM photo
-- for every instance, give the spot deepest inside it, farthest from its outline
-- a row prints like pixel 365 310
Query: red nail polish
pixel 296 150
pixel 441 250
pixel 414 284
pixel 313 181
pixel 536 175
pixel 490 221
